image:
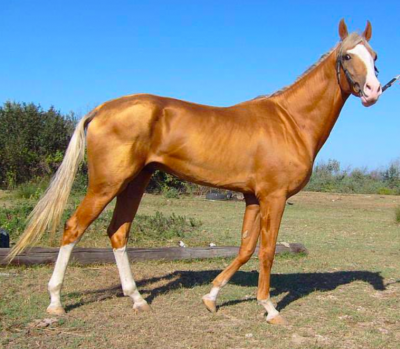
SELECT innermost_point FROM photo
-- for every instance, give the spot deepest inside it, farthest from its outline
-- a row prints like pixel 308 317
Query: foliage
pixel 329 177
pixel 160 227
pixel 172 187
pixel 162 183
pixel 13 219
pixel 31 190
pixel 144 228
pixel 32 142
pixel 81 181
pixel 150 228
pixel 397 214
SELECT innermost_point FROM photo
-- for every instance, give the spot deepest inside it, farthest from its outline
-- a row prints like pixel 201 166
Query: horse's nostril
pixel 367 86
pixel 380 88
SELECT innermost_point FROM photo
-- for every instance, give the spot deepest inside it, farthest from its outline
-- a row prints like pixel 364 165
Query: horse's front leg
pixel 250 234
pixel 271 211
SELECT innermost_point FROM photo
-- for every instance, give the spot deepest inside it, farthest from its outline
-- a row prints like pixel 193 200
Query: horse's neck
pixel 315 102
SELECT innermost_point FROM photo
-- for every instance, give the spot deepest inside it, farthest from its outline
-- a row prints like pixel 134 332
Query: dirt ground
pixel 344 294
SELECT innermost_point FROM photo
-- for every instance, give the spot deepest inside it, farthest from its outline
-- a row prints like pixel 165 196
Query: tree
pixel 32 141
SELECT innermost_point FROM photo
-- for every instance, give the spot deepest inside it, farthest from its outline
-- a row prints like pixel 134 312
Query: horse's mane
pixel 350 41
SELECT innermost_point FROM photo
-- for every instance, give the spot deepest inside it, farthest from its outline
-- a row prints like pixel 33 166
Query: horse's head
pixel 356 69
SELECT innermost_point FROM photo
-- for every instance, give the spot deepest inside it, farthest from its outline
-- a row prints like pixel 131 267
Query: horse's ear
pixel 343 29
pixel 368 31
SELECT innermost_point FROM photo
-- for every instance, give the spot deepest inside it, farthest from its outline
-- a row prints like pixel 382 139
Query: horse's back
pixel 135 117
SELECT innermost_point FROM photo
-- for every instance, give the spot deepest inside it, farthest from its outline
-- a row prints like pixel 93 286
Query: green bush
pixel 32 142
pixel 170 192
pixel 31 190
pixel 144 228
pixel 151 228
pixel 385 191
pixel 160 227
pixel 329 177
pixel 13 219
pixel 161 182
pixel 79 186
pixel 397 214
pixel 27 190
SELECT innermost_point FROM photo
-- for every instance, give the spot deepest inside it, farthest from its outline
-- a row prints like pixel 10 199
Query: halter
pixel 354 85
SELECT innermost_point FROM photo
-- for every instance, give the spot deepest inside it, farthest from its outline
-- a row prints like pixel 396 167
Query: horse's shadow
pixel 297 285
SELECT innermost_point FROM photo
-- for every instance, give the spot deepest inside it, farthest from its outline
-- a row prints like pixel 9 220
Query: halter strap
pixel 354 85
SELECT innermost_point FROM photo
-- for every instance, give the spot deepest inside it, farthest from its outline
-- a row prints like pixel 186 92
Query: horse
pixel 264 148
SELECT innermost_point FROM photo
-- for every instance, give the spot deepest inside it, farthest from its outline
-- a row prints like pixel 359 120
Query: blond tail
pixel 48 211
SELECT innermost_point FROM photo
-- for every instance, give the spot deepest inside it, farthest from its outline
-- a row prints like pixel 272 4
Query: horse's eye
pixel 347 57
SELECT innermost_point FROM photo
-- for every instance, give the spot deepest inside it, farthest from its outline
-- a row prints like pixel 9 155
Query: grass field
pixel 344 294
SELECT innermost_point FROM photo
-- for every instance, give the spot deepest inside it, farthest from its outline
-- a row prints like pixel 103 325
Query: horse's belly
pixel 215 173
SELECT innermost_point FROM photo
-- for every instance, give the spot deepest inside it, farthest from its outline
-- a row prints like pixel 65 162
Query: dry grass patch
pixel 344 294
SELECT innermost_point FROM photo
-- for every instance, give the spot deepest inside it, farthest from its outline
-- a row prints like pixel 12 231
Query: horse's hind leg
pixel 125 210
pixel 250 234
pixel 89 209
pixel 106 179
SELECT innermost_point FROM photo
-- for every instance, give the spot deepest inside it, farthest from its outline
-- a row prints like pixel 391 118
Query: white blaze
pixel 372 84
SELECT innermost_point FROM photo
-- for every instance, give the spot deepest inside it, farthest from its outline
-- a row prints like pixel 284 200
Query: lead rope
pixel 390 83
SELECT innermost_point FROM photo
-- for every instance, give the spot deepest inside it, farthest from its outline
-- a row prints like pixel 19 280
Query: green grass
pixel 31 190
pixel 156 227
pixel 343 294
pixel 12 219
pixel 397 214
pixel 147 228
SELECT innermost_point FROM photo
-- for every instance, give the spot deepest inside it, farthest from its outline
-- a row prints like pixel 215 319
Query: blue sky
pixel 77 54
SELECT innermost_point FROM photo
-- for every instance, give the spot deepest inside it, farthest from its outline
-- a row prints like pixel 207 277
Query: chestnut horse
pixel 264 148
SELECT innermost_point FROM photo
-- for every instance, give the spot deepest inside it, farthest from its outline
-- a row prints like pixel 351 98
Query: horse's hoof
pixel 142 307
pixel 277 320
pixel 210 304
pixel 56 310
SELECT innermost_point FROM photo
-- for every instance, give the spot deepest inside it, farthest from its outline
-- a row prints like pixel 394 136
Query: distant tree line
pixel 330 177
pixel 33 142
